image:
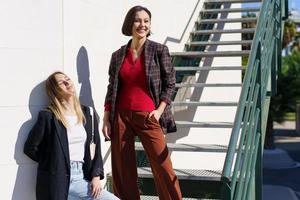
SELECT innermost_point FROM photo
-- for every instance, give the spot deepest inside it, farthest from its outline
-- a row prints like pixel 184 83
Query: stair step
pixel 219 31
pixel 220 43
pixel 186 174
pixel 180 85
pixel 197 103
pixel 200 54
pixel 254 9
pixel 188 124
pixel 144 197
pixel 191 147
pixel 227 20
pixel 232 1
pixel 207 68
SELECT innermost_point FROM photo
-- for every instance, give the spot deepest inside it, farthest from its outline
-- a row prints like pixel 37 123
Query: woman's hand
pixel 106 129
pixel 106 126
pixel 156 113
pixel 96 187
pixel 159 111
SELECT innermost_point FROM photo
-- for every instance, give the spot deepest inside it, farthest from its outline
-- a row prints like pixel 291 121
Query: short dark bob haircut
pixel 129 19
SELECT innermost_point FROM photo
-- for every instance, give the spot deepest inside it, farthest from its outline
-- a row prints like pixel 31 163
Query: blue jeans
pixel 80 189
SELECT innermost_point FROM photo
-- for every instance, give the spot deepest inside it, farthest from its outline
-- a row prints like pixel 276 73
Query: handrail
pixel 250 119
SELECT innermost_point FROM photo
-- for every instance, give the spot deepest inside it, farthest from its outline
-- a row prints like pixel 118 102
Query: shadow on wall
pixel 24 187
pixel 83 72
pixel 85 94
pixel 189 113
pixel 175 40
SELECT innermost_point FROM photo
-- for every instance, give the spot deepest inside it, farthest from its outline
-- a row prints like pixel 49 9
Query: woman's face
pixel 65 84
pixel 141 25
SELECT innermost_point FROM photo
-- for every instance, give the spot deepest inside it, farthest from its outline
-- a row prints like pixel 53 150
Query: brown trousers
pixel 127 125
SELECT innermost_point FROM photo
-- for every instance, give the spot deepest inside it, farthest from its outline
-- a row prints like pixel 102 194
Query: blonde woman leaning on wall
pixel 60 143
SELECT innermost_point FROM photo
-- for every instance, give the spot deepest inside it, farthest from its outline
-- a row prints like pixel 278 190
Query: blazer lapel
pixel 61 132
pixel 148 53
pixel 120 58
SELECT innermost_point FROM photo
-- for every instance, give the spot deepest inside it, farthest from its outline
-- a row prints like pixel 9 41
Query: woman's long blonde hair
pixel 55 96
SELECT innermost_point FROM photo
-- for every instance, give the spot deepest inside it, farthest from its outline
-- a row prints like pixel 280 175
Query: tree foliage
pixel 289 32
pixel 288 94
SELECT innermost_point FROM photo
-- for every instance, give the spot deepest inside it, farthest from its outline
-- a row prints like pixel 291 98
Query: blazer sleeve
pixel 97 167
pixel 35 137
pixel 111 80
pixel 167 75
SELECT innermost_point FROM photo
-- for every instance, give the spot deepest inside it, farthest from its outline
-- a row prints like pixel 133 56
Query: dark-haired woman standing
pixel 141 83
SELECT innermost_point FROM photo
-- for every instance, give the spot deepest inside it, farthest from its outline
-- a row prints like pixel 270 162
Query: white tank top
pixel 76 137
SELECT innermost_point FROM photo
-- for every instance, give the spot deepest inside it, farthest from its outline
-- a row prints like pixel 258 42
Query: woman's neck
pixel 137 47
pixel 69 108
pixel 137 44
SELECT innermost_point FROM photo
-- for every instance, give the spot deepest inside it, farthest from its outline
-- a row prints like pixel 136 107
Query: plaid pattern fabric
pixel 160 76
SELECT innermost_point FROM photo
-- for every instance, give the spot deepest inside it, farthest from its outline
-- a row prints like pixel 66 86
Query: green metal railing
pixel 242 172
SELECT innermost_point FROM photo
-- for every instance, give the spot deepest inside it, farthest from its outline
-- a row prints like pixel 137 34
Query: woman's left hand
pixel 156 113
pixel 96 187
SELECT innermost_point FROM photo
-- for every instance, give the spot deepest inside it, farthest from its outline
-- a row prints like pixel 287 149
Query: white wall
pixel 75 36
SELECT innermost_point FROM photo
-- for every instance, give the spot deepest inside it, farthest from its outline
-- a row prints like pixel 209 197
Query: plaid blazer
pixel 160 76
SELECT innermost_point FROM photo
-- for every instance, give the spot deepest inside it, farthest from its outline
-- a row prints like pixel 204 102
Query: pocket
pixel 152 123
pixel 154 119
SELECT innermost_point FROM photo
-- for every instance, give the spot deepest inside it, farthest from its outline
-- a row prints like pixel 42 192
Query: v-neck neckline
pixel 134 61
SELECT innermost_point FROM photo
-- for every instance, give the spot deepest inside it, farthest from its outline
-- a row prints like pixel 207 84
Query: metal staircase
pixel 202 144
pixel 204 44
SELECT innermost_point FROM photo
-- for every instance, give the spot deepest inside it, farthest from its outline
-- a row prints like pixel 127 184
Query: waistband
pixel 76 164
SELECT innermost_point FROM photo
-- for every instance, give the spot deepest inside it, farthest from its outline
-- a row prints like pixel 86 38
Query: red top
pixel 134 94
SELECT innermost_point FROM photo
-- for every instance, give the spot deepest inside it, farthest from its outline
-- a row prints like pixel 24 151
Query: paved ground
pixel 282 166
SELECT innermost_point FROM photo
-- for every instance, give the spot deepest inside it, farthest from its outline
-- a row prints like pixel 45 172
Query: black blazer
pixel 47 144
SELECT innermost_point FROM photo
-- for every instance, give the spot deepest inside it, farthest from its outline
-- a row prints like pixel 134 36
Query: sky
pixel 294 4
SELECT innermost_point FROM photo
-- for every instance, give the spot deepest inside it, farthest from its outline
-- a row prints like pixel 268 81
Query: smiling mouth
pixel 141 30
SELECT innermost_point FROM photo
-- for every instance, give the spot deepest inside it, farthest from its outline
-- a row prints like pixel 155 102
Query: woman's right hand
pixel 106 129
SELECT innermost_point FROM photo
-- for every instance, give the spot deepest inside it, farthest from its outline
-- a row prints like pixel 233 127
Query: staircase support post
pixel 259 173
pixel 225 189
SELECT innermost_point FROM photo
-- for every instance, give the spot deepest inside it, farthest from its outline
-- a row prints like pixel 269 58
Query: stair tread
pixel 252 9
pixel 248 19
pixel 186 174
pixel 178 85
pixel 147 197
pixel 193 124
pixel 205 68
pixel 197 103
pixel 232 1
pixel 220 42
pixel 246 30
pixel 210 53
pixel 190 147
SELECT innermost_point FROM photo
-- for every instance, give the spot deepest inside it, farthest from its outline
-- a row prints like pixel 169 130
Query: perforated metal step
pixel 227 20
pixel 225 10
pixel 188 124
pixel 210 43
pixel 191 147
pixel 180 85
pixel 206 68
pixel 143 197
pixel 232 1
pixel 197 103
pixel 223 31
pixel 186 174
pixel 200 54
